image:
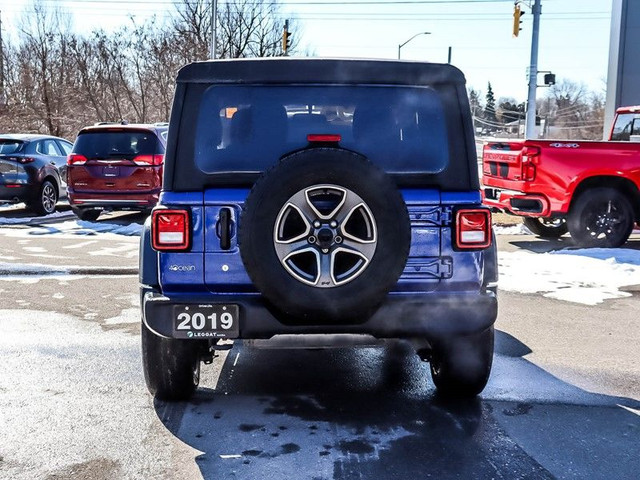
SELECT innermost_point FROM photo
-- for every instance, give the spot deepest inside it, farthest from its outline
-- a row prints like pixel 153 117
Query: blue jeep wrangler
pixel 318 198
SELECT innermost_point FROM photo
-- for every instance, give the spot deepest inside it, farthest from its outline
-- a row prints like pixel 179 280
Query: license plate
pixel 206 321
pixel 110 171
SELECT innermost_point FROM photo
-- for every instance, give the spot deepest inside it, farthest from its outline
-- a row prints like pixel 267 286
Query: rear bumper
pixel 517 203
pixel 20 193
pixel 400 316
pixel 113 201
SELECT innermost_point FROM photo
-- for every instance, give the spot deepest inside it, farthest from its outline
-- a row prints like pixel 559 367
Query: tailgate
pixel 502 160
pixel 110 176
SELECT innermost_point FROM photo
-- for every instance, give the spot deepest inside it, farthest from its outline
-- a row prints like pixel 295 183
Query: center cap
pixel 325 238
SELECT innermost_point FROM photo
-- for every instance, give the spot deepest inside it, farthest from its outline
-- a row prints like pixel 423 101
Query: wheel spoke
pixel 325 271
pixel 289 249
pixel 346 209
pixel 362 249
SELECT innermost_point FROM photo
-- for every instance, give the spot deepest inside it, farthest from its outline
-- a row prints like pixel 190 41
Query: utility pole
pixel 2 99
pixel 449 56
pixel 530 125
pixel 214 18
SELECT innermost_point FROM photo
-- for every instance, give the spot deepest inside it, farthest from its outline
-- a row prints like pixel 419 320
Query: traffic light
pixel 286 38
pixel 517 13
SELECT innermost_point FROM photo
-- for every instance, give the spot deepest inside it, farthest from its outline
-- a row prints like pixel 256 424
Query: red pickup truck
pixel 590 189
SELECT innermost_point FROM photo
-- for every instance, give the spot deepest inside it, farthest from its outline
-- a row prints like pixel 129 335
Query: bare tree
pixel 246 28
pixel 57 81
pixel 573 112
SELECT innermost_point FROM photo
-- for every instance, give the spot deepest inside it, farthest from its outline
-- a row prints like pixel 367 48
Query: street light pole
pixel 214 21
pixel 416 35
pixel 530 124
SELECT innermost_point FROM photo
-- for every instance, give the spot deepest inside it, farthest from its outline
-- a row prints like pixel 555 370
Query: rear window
pixel 248 128
pixel 7 147
pixel 627 124
pixel 126 144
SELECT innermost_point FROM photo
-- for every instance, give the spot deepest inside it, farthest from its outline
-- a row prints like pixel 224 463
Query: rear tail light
pixel 148 159
pixel 529 159
pixel 170 229
pixel 75 159
pixel 24 160
pixel 473 228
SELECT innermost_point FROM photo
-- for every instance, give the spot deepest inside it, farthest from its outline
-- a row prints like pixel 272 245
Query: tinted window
pixel 627 124
pixel 248 128
pixel 47 147
pixel 8 147
pixel 66 147
pixel 117 144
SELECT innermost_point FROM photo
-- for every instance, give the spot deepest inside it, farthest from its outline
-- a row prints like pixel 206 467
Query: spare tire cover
pixel 324 236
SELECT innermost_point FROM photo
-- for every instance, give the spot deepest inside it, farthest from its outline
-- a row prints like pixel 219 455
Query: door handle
pixel 224 227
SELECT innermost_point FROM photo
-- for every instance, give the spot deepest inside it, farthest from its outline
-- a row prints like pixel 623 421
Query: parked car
pixel 318 196
pixel 116 167
pixel 590 189
pixel 33 170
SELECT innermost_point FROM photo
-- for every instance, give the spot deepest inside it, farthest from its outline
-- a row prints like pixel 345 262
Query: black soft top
pixel 319 71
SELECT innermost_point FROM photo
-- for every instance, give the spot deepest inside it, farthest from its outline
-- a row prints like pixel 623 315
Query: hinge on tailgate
pixel 446 266
pixel 445 216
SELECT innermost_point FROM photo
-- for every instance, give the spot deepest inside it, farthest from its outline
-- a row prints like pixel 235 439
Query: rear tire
pixel 546 227
pixel 171 367
pixel 45 202
pixel 89 215
pixel 460 366
pixel 601 217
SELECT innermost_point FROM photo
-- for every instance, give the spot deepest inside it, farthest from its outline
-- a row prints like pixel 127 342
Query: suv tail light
pixel 473 228
pixel 75 159
pixel 529 157
pixel 170 229
pixel 24 160
pixel 148 159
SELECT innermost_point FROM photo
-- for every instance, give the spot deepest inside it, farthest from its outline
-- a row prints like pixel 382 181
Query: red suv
pixel 116 167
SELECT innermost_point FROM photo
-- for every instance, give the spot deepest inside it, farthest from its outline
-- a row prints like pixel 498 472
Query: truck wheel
pixel 89 215
pixel 601 217
pixel 546 227
pixel 171 367
pixel 460 366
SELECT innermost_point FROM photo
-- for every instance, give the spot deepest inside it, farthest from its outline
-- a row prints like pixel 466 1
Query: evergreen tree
pixel 490 106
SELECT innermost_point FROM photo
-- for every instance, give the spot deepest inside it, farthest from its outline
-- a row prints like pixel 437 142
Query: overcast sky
pixel 574 37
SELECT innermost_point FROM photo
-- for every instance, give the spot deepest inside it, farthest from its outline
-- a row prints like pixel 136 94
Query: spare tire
pixel 324 235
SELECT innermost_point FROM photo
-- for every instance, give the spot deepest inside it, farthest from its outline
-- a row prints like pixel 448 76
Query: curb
pixel 72 271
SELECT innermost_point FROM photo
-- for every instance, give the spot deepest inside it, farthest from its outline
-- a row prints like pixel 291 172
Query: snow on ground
pixel 518 229
pixel 81 227
pixel 25 220
pixel 587 276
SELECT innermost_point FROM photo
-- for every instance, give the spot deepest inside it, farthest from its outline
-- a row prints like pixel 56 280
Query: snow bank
pixel 25 220
pixel 518 229
pixel 587 276
pixel 28 269
pixel 81 227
